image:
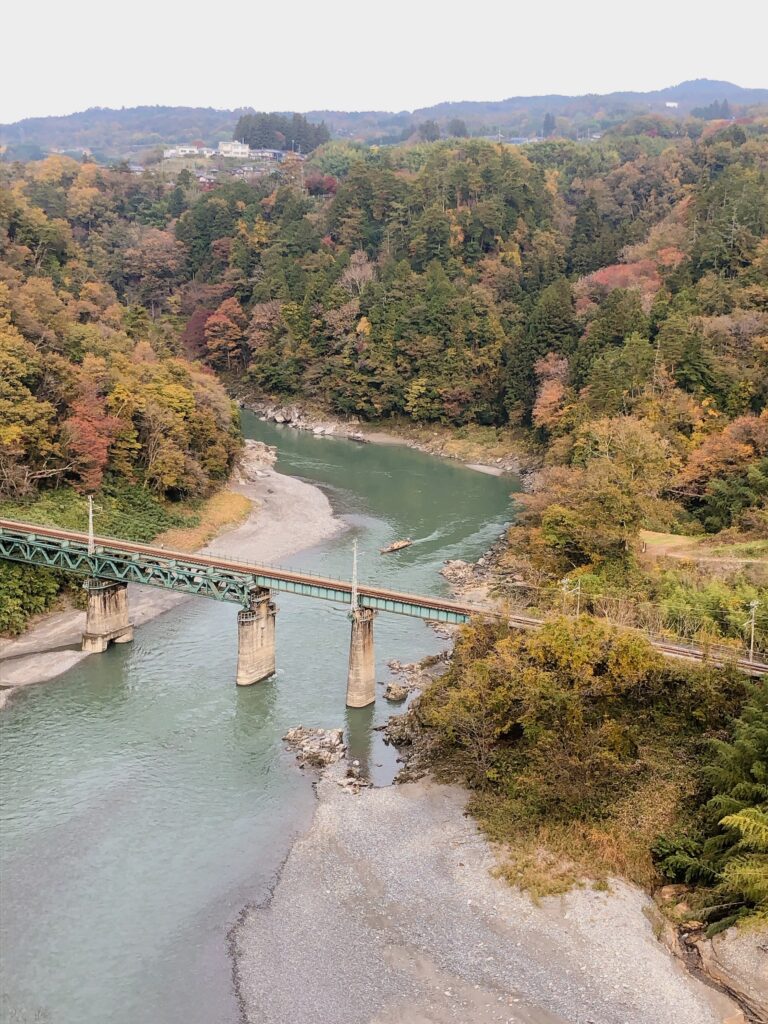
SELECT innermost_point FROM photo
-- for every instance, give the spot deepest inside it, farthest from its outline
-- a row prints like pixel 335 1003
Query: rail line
pixel 228 579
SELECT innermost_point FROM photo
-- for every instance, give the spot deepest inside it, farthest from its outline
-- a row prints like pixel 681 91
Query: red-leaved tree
pixel 88 433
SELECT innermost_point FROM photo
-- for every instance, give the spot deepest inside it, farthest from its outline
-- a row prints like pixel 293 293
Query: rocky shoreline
pixel 717 981
pixel 301 417
pixel 400 885
pixel 734 962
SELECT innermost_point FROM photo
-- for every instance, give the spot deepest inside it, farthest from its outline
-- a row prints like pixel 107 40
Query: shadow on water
pixel 146 799
pixel 378 761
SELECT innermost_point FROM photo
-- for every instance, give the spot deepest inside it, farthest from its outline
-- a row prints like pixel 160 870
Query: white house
pixel 188 151
pixel 236 150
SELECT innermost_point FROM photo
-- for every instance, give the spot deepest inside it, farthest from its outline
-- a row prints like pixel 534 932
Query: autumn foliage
pixel 87 435
pixel 92 380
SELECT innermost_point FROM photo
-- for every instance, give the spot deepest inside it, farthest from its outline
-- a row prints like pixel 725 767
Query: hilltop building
pixel 235 150
pixel 187 151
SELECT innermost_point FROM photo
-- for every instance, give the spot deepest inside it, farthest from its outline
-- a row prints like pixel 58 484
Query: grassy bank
pixel 223 511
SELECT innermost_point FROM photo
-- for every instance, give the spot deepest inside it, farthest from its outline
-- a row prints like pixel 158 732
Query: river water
pixel 146 800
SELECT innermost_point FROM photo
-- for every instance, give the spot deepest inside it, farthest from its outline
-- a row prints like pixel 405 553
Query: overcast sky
pixel 59 57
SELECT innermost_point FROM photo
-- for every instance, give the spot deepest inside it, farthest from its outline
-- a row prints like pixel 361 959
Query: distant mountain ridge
pixel 116 134
pixel 121 134
pixel 696 92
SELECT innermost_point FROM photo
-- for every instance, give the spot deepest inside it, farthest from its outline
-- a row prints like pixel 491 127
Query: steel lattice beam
pixel 217 582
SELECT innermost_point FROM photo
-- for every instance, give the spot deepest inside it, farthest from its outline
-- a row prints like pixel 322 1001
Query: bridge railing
pixel 104 541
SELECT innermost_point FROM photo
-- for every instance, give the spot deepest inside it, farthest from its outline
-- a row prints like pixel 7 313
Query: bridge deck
pixel 223 579
pixel 227 579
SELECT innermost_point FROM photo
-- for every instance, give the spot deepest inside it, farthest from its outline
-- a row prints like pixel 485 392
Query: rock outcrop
pixel 298 417
pixel 317 748
pixel 396 692
pixel 737 959
pixel 255 458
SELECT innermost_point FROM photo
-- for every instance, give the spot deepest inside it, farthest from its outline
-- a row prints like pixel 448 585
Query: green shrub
pixel 122 510
pixel 25 591
pixel 579 736
pixel 558 717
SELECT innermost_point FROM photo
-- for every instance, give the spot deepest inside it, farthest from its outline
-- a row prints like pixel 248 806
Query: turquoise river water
pixel 146 800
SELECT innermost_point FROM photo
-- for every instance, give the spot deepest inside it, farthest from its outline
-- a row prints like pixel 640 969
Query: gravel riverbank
pixel 387 912
pixel 288 515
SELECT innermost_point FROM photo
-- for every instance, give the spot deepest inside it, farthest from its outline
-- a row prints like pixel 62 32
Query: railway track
pixel 384 598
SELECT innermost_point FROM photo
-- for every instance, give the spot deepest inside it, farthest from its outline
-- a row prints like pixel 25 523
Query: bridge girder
pixel 174 573
pixel 219 584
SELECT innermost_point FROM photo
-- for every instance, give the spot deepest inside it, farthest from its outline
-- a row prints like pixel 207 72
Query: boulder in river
pixel 316 747
pixel 396 692
pixel 460 574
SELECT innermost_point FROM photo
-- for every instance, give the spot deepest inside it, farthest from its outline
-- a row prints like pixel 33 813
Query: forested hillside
pixel 430 279
pixel 116 134
pixel 95 394
pixel 130 132
pixel 605 301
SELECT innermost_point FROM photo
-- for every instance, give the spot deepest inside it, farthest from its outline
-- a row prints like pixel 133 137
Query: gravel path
pixel 386 913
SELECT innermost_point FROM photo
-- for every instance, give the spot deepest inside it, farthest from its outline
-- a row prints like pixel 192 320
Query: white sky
pixel 59 56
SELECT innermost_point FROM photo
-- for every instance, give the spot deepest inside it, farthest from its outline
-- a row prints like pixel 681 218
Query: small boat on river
pixel 396 545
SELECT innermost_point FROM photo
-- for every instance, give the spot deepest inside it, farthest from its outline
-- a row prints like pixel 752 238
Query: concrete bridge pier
pixel 361 678
pixel 256 639
pixel 107 615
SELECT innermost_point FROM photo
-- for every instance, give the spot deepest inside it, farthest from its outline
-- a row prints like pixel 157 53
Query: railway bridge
pixel 109 565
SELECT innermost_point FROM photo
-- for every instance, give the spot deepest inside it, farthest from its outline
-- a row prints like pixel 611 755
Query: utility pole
pixel 91 544
pixel 354 575
pixel 751 623
pixel 568 588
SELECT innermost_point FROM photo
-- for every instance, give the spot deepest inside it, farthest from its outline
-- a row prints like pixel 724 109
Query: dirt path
pixel 671 545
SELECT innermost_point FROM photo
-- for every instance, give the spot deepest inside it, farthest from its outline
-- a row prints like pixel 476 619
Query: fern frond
pixel 690 869
pixel 752 824
pixel 748 877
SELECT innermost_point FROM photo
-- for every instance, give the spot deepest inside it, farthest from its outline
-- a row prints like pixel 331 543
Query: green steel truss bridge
pixel 201 575
pixel 108 565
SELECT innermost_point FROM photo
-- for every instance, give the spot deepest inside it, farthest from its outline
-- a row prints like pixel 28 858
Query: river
pixel 146 800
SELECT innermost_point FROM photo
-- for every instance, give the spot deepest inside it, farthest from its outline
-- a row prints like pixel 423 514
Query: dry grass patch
pixel 674 545
pixel 550 858
pixel 225 509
